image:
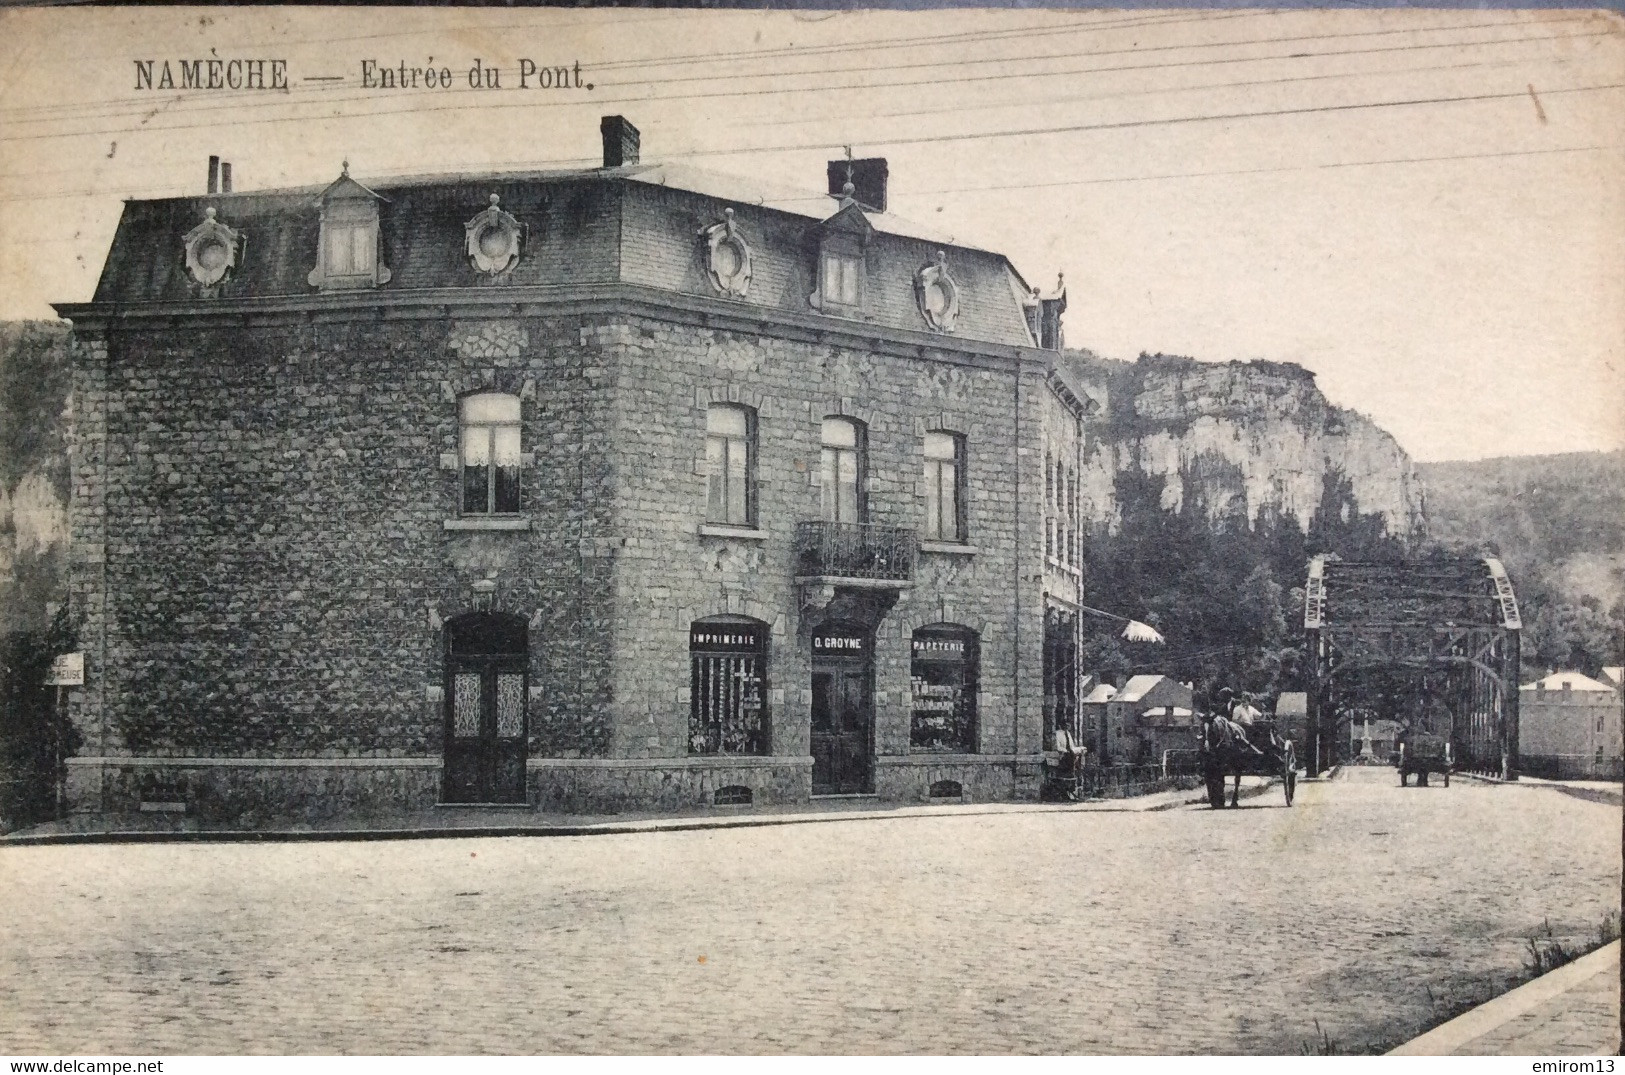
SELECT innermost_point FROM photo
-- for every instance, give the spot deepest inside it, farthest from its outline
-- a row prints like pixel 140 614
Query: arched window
pixel 943 673
pixel 842 466
pixel 730 458
pixel 727 686
pixel 489 424
pixel 944 486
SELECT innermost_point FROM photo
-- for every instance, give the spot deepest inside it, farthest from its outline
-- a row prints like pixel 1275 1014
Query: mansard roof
pixel 630 225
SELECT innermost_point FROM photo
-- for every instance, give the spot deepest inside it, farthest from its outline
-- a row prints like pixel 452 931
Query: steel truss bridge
pixel 1431 644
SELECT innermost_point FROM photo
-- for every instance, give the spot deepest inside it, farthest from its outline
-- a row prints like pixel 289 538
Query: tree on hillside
pixel 1224 590
pixel 1579 638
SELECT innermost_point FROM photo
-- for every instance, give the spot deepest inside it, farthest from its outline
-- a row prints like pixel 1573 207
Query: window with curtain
pixel 944 486
pixel 842 282
pixel 841 471
pixel 730 434
pixel 350 249
pixel 490 453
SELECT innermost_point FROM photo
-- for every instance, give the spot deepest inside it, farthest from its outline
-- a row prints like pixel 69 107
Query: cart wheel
pixel 1291 783
pixel 1215 785
pixel 1447 778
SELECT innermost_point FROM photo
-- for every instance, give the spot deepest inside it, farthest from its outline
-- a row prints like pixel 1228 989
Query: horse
pixel 1225 751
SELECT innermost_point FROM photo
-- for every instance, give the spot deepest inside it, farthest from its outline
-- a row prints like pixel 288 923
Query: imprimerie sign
pixel 725 637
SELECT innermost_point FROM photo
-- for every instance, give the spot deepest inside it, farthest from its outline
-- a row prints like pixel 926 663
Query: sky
pixel 1423 207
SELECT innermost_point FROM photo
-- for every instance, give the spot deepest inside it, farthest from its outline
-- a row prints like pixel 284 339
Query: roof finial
pixel 495 198
pixel 346 170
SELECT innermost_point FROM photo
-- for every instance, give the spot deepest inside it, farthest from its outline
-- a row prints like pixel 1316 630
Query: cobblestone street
pixel 1363 909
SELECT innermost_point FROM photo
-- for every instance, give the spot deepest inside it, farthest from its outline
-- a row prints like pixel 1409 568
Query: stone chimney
pixel 620 141
pixel 214 175
pixel 868 180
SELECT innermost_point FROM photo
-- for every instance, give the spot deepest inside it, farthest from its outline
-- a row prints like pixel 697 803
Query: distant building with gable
pixel 1123 735
pixel 1570 726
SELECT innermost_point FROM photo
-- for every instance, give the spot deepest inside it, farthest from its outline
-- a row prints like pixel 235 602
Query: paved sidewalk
pixel 1571 1011
pixel 1608 792
pixel 452 821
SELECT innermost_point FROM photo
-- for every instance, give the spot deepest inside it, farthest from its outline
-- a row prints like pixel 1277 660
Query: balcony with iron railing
pixel 871 555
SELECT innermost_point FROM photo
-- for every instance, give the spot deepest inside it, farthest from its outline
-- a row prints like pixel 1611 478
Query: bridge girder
pixel 1423 642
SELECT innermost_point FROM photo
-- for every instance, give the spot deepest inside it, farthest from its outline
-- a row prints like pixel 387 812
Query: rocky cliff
pixel 1242 440
pixel 33 471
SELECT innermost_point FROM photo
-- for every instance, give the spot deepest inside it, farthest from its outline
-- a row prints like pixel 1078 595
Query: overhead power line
pixel 1278 169
pixel 1217 117
pixel 1067 129
pixel 1140 50
pixel 1157 91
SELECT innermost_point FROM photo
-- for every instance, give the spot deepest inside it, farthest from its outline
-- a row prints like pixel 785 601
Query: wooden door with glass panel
pixel 842 712
pixel 486 689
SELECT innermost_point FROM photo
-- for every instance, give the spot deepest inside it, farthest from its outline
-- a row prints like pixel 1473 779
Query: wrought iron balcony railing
pixel 854 551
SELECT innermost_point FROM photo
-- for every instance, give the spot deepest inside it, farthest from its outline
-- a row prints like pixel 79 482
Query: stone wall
pixel 277 566
pixel 266 550
pixel 670 573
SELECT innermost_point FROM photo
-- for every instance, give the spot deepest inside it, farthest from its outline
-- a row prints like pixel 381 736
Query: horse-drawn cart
pixel 1424 754
pixel 1227 749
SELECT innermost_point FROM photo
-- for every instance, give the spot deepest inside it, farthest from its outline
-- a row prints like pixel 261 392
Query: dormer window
pixel 841 242
pixel 348 255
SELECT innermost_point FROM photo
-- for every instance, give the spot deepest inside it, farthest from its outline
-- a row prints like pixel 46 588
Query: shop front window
pixel 728 686
pixel 943 673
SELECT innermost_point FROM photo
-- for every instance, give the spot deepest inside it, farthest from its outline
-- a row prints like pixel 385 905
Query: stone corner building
pixel 614 488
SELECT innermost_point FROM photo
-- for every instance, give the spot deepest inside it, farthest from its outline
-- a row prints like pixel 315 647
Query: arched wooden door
pixel 486 725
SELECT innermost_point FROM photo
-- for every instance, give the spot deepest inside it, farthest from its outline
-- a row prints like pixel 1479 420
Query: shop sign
pixel 725 638
pixel 840 645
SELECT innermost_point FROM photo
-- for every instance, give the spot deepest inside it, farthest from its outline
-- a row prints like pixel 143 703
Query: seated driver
pixel 1239 715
